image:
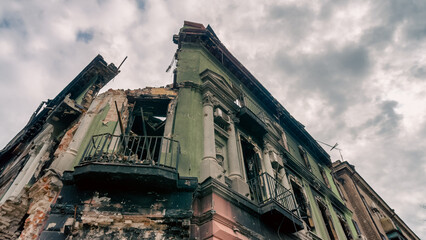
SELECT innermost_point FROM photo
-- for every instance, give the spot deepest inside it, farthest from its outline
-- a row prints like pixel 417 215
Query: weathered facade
pixel 211 156
pixel 373 218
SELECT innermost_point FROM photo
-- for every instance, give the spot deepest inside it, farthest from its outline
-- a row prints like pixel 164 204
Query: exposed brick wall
pixel 42 194
pixel 12 213
pixel 356 204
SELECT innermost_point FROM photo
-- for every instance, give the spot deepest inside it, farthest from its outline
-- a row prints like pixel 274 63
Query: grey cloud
pixel 408 14
pixel 294 21
pixel 84 36
pixel 385 123
pixel 378 36
pixel 335 74
pixel 416 31
pixel 419 72
pixel 141 4
pixel 11 22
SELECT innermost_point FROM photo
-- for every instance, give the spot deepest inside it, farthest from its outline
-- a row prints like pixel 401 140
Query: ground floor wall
pixel 221 213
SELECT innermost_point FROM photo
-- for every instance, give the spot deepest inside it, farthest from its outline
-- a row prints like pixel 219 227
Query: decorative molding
pixel 190 84
pixel 222 89
pixel 208 99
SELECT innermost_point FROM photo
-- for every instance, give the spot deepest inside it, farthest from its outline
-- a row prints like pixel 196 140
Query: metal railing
pixel 133 150
pixel 265 188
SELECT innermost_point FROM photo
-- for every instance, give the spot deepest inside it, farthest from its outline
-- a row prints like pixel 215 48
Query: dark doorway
pixel 251 159
pixel 253 170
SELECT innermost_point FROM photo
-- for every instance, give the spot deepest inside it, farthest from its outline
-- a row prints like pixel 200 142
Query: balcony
pixel 251 122
pixel 277 205
pixel 139 162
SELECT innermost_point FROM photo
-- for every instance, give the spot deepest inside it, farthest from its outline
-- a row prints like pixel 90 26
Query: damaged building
pixel 213 155
pixel 373 218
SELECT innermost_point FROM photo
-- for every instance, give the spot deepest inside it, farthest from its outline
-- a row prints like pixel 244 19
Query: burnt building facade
pixel 373 218
pixel 213 155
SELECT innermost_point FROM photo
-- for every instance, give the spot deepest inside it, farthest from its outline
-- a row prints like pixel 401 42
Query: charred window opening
pixel 304 209
pixel 148 117
pixel 145 129
pixel 325 213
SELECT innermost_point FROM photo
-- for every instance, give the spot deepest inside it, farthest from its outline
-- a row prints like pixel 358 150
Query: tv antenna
pixel 333 147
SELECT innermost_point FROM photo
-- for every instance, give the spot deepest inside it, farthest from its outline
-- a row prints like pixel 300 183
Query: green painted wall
pixel 188 130
pixel 332 184
pixel 294 149
pixel 188 64
pixel 315 168
pixel 193 59
pixel 320 228
pixel 96 127
pixel 337 226
pixel 188 123
pixel 188 127
pixel 348 217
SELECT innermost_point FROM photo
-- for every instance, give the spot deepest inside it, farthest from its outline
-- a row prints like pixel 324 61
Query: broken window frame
pixel 153 122
pixel 324 176
pixel 327 219
pixel 305 158
pixel 302 202
pixel 344 225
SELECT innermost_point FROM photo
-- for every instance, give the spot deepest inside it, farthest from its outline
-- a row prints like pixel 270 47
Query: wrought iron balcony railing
pixel 132 150
pixel 265 189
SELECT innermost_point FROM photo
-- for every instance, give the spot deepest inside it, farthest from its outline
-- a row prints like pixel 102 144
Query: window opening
pixel 251 159
pixel 301 201
pixel 325 213
pixel 324 177
pixel 146 129
pixel 358 231
pixel 345 227
pixel 252 166
pixel 304 156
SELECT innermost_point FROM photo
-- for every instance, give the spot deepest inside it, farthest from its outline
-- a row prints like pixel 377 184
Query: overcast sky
pixel 353 72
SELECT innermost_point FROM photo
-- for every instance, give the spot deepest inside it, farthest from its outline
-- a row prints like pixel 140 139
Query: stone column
pixel 234 163
pixel 169 119
pixel 167 144
pixel 266 160
pixel 284 180
pixel 66 160
pixel 209 166
pixel 208 128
